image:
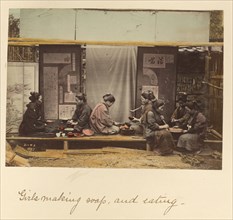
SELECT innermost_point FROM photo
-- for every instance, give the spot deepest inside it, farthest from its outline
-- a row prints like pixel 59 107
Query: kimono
pixel 101 122
pixel 82 115
pixel 180 114
pixel 31 120
pixel 159 140
pixel 193 139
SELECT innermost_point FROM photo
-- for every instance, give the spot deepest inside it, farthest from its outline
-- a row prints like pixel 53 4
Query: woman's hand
pixel 174 120
pixel 189 127
pixel 72 122
pixel 133 119
pixel 116 123
pixel 166 126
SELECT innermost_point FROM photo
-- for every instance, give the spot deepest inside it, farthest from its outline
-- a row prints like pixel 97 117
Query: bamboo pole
pixel 213 86
pixel 38 41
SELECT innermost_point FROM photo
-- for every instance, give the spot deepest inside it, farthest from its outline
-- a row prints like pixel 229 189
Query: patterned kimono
pixel 101 122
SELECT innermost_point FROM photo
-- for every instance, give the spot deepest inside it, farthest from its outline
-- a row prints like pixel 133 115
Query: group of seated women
pixel 186 116
pixel 155 129
pixel 98 119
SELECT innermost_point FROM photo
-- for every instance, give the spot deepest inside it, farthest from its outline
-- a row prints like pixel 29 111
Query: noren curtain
pixel 112 69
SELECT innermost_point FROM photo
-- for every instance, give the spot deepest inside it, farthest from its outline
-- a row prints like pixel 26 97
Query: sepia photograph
pixel 93 93
pixel 90 89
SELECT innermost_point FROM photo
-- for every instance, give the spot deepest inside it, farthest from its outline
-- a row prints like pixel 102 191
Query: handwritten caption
pixel 165 202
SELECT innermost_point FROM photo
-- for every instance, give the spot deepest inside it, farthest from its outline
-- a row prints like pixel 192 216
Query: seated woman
pixel 195 131
pixel 136 122
pixel 157 135
pixel 180 115
pixel 100 119
pixel 81 116
pixel 32 118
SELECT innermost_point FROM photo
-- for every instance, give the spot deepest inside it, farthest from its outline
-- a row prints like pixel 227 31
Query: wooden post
pixel 66 145
pixel 148 148
pixel 208 101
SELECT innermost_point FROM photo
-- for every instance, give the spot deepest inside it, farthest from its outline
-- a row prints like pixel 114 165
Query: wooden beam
pixel 84 151
pixel 211 85
pixel 38 41
pixel 106 138
pixel 213 141
pixel 121 150
pixel 109 138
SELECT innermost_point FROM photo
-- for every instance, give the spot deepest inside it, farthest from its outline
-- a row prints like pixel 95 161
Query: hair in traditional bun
pixel 109 97
pixel 197 104
pixel 34 96
pixel 148 94
pixel 158 103
pixel 81 96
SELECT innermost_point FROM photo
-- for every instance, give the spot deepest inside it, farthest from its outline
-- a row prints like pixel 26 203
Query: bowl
pixel 64 120
pixel 58 134
pixel 69 129
pixel 70 134
pixel 127 132
pixel 88 132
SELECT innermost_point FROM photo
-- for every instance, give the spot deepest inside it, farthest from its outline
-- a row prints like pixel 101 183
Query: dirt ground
pixel 117 157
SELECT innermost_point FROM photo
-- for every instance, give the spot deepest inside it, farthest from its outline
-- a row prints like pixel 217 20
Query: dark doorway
pixel 59 75
pixel 157 71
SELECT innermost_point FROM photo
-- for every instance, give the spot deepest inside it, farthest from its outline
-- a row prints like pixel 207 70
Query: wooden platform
pixel 94 139
pixel 66 140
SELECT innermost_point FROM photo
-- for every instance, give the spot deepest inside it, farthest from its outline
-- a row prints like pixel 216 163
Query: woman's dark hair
pixel 109 97
pixel 81 96
pixel 193 105
pixel 148 95
pixel 34 96
pixel 182 96
pixel 157 103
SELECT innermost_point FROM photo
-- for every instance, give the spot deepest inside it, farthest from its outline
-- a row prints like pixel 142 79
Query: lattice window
pixel 23 54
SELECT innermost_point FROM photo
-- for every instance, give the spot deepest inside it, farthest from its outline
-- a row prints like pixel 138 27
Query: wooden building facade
pixel 175 65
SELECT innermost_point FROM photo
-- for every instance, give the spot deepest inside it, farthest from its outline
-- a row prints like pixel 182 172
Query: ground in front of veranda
pixel 117 157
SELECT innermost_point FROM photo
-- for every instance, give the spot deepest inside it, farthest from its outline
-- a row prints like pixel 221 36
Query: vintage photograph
pixel 111 88
pixel 116 110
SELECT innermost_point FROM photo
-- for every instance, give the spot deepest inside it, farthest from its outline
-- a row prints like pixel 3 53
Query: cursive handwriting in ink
pixel 25 197
pixel 75 205
pixel 98 201
pixel 132 200
pixel 162 200
pixel 62 197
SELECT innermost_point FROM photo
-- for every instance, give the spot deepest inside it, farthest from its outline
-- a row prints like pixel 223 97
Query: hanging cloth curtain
pixel 112 69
